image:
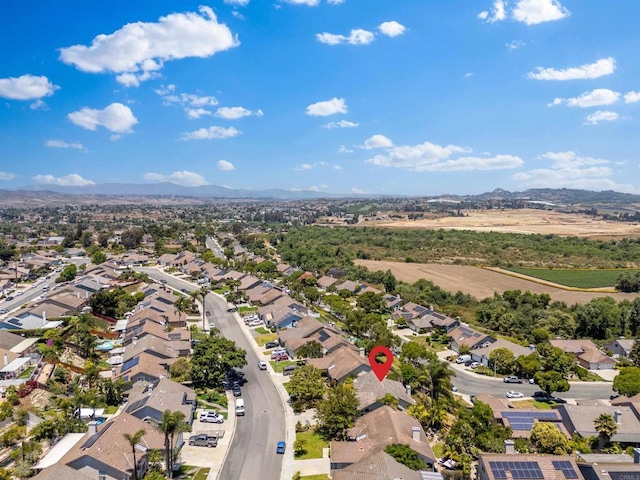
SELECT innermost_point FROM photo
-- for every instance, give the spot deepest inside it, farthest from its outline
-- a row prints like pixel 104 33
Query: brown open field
pixel 479 282
pixel 524 220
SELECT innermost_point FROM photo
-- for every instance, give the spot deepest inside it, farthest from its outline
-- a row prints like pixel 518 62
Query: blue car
pixel 281 447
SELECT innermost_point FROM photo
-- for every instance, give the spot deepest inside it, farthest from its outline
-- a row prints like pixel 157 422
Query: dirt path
pixel 480 282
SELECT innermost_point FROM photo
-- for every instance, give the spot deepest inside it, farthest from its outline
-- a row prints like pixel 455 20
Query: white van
pixel 240 407
pixel 463 359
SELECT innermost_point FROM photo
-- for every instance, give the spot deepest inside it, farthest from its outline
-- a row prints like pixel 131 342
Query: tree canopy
pixel 213 357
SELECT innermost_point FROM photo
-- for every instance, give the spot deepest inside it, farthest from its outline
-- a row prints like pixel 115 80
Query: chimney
pixel 6 359
pixel 44 316
pixel 415 433
pixel 408 389
pixel 92 428
pixel 361 352
pixel 509 447
pixel 636 455
pixel 618 416
pixel 431 307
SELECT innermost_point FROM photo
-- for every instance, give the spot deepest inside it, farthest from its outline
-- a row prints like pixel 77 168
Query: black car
pixel 237 392
pixel 271 345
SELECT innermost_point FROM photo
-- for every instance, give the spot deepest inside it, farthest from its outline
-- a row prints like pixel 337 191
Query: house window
pixel 102 475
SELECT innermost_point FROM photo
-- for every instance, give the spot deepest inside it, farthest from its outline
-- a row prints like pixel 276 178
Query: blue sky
pixel 413 97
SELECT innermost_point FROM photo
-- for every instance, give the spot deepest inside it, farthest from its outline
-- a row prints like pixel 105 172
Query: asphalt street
pixel 252 453
pixel 212 245
pixel 472 384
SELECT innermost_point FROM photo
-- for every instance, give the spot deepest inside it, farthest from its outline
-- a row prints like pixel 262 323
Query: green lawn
pixel 279 366
pixel 322 476
pixel 27 373
pixel 110 410
pixel 313 444
pixel 247 309
pixel 269 337
pixel 263 331
pixel 438 449
pixel 202 474
pixel 592 278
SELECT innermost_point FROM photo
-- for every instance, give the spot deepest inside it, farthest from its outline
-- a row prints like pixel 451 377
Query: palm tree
pixel 180 306
pixel 133 440
pixel 440 379
pixel 606 427
pixel 201 295
pixel 172 424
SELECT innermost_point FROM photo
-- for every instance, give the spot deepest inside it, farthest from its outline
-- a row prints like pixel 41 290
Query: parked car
pixel 514 394
pixel 211 417
pixel 8 299
pixel 288 370
pixel 474 365
pixel 512 379
pixel 269 345
pixel 255 323
pixel 280 448
pixel 281 357
pixel 463 358
pixel 262 365
pixel 532 381
pixel 237 392
pixel 3 311
pixel 203 440
pixel 540 394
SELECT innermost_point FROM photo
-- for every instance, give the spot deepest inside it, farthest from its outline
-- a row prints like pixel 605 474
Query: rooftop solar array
pixel 129 364
pixel 518 470
pixel 525 420
pixel 323 336
pixel 565 467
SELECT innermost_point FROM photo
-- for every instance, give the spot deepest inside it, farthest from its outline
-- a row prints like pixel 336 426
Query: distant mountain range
pixel 120 193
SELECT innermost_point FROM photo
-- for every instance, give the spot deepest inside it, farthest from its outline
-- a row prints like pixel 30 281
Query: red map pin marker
pixel 380 369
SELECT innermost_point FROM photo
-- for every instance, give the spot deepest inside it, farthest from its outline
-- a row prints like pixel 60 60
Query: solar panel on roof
pixel 518 470
pixel 323 336
pixel 566 468
pixel 132 362
pixel 14 321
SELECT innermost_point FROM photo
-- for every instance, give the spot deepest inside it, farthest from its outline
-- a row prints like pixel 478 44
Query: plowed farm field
pixel 480 282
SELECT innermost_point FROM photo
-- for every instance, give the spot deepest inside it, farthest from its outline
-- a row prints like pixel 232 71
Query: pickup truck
pixel 512 379
pixel 203 440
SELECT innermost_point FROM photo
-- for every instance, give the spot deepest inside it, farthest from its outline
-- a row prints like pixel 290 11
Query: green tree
pixel 312 349
pixel 634 355
pixel 528 365
pixel 68 274
pixel 306 386
pixel 311 293
pixel 413 351
pixel 405 455
pixel 552 382
pixel 213 357
pixel 86 239
pixel 389 281
pixel 337 412
pixel 627 382
pixel 172 424
pixel 503 360
pixel 133 440
pixel 131 238
pixel 370 302
pixel 180 370
pixel 546 438
pixel 98 257
pixel 606 427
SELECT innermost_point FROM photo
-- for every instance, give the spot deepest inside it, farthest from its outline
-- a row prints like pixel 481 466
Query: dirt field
pixel 479 282
pixel 523 221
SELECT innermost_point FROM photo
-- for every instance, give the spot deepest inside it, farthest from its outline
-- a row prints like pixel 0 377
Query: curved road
pixel 252 453
pixel 472 384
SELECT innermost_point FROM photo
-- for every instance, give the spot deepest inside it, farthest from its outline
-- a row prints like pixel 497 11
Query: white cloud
pixel 337 167
pixel 184 178
pixel 309 3
pixel 63 144
pixel 310 166
pixel 240 3
pixel 594 98
pixel 304 166
pixel 358 190
pixel 468 75
pixel 7 176
pixel 357 36
pixel 116 117
pixel 569 170
pixel 601 116
pixel 26 87
pixel 192 104
pixel 392 28
pixel 497 14
pixel 604 66
pixel 328 107
pixel 335 2
pixel 210 133
pixel 71 180
pixel 533 12
pixel 38 105
pixel 225 166
pixel 233 113
pixel 632 97
pixel 436 158
pixel 514 45
pixel 341 124
pixel 344 149
pixel 137 50
pixel 377 141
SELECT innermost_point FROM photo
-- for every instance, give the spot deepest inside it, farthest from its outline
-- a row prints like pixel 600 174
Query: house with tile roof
pixel 61 472
pixel 342 364
pixel 463 335
pixel 105 454
pixel 148 401
pixel 370 391
pixel 497 466
pixel 621 347
pixel 579 419
pixel 325 282
pixel 376 466
pixel 373 431
pixel 481 354
pixel 587 353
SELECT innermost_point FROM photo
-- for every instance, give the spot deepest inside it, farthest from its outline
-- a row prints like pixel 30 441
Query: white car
pixel 211 417
pixel 514 394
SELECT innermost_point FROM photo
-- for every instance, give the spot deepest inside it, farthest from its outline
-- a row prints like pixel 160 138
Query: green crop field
pixel 595 278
